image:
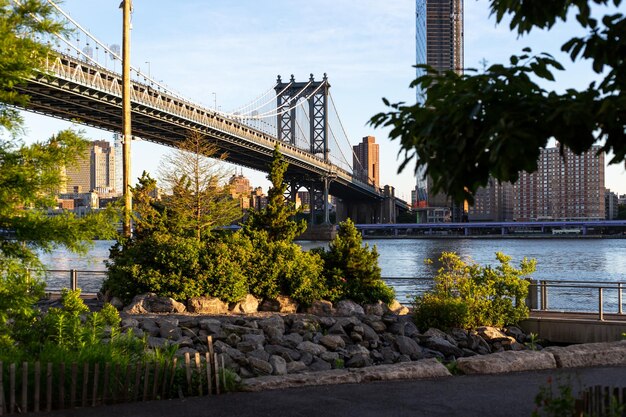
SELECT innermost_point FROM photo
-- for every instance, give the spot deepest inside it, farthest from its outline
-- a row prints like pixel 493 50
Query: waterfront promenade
pixel 508 395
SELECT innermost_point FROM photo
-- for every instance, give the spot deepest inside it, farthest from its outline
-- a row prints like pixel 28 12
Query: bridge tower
pixel 316 93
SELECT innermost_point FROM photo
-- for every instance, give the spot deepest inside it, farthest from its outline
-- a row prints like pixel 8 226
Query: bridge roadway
pixel 74 90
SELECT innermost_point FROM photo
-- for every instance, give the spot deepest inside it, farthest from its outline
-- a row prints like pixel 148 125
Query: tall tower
pixel 366 161
pixel 439 44
pixel 94 170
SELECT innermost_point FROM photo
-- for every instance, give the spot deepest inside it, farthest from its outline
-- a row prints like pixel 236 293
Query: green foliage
pixel 440 312
pixel 29 180
pixel 197 198
pixel 471 295
pixel 22 54
pixel 162 263
pixel 277 219
pixel 493 124
pixel 229 380
pixel 351 269
pixel 555 401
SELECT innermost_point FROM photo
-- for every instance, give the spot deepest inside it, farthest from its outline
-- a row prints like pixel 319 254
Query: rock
pixel 410 329
pixel 444 346
pixel 491 334
pixel 332 342
pixel 359 361
pixel 320 308
pixel 295 367
pixel 319 365
pixel 303 325
pixel 346 308
pixel 477 343
pixel 259 354
pixel 137 305
pixel 185 342
pixel 368 333
pixel 353 350
pixel 397 308
pixel 128 323
pixel 515 332
pixel 168 329
pixel 377 309
pixel 260 367
pixel 239 330
pixel 409 347
pixel 212 326
pixel 249 305
pixel 150 326
pixel 375 323
pixel 274 328
pixel 292 340
pixel 330 357
pixel 157 342
pixel 429 353
pixel 257 339
pixel 287 354
pixel 207 305
pixel 279 365
pixel 181 352
pixel 311 348
pixel 504 362
pixel 233 339
pixel 432 332
pixel 590 354
pixel 237 356
pixel 306 358
pixel 247 346
pixel 163 305
pixel 281 304
pixel 116 302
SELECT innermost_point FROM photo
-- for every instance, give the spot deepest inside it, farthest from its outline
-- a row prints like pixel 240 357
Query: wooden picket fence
pixel 33 387
pixel 600 401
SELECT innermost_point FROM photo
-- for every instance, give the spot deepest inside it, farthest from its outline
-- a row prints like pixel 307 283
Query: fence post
pixel 73 279
pixel 600 302
pixel 544 295
pixel 619 298
pixel 533 295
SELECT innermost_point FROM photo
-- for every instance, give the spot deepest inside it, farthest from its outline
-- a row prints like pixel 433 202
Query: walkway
pixel 509 395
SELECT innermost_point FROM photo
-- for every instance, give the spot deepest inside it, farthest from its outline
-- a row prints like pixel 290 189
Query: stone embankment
pixel 344 343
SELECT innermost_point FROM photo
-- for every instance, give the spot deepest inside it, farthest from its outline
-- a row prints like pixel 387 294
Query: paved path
pixel 509 395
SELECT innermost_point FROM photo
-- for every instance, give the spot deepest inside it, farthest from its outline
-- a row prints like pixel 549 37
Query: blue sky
pixel 236 49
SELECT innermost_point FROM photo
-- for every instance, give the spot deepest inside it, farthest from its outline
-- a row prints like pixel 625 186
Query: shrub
pixel 433 310
pixel 351 269
pixel 492 296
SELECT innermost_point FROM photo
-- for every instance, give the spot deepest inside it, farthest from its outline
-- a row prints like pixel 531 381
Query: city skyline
pixel 366 48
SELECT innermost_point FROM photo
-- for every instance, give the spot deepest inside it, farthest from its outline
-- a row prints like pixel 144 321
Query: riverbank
pixel 496 237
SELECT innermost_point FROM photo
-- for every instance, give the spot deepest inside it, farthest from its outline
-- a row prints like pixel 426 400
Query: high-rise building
pixel 568 187
pixel 611 205
pixel 439 44
pixel 240 189
pixel 365 161
pixel 93 171
pixel 493 202
pixel 439 34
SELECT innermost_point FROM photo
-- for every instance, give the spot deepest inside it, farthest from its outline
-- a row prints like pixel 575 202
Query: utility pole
pixel 126 110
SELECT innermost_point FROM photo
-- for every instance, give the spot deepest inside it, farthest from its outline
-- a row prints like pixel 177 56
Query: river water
pixel 401 259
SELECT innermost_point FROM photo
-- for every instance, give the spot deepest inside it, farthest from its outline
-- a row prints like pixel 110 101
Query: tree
pixel 20 26
pixel 495 123
pixel 351 269
pixel 277 219
pixel 198 199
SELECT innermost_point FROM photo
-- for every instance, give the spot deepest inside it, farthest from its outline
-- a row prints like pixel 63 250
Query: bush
pixel 351 270
pixel 433 310
pixel 492 296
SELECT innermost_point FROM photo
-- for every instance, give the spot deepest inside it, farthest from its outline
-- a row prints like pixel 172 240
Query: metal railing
pixel 56 280
pixel 577 296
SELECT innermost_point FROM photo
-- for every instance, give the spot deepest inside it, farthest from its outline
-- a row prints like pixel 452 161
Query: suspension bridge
pixel 80 83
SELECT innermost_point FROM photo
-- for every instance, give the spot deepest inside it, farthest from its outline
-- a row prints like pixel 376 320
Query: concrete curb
pixel 428 368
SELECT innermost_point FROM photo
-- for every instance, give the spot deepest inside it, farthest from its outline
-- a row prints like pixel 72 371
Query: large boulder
pixel 397 308
pixel 504 362
pixel 151 303
pixel 346 308
pixel 281 304
pixel 320 308
pixel 491 334
pixel 249 305
pixel 409 347
pixel 590 354
pixel 207 305
pixel 332 342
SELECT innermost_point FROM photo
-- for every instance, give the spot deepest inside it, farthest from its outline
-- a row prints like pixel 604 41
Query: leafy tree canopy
pixel 20 26
pixel 495 123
